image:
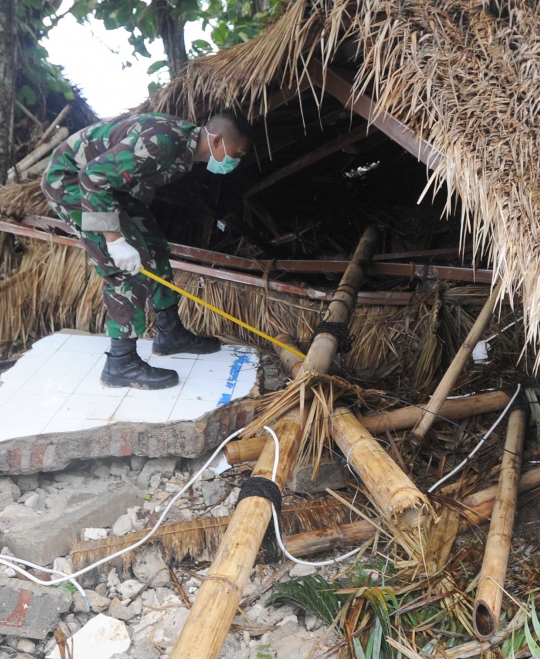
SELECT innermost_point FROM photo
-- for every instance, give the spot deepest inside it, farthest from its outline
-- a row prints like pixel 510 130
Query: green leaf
pixel 358 649
pixel 26 95
pixel 67 586
pixel 156 66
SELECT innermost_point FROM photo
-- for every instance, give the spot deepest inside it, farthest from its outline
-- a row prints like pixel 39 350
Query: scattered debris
pixel 101 637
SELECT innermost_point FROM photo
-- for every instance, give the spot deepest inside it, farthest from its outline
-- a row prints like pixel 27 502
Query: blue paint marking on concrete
pixel 240 360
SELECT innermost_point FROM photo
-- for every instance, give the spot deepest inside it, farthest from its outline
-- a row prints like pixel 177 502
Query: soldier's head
pixel 224 140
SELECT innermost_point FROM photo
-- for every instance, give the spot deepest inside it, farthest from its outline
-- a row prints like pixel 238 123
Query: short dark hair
pixel 232 123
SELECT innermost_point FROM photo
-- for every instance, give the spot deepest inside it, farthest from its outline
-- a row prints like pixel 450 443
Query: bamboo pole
pixel 324 347
pixel 38 154
pixel 290 361
pixel 396 497
pixel 216 604
pixel 248 450
pixel 487 605
pixel 56 122
pixel 449 379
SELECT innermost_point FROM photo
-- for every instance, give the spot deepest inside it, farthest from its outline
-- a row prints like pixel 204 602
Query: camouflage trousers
pixel 124 295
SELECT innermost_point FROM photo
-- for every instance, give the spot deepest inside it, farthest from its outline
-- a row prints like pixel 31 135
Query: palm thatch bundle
pixel 462 74
pixel 393 346
pixel 20 199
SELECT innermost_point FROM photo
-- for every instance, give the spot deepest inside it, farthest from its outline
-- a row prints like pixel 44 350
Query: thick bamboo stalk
pixel 487 605
pixel 210 617
pixel 38 154
pixel 56 122
pixel 449 379
pixel 396 497
pixel 290 361
pixel 247 450
pixel 478 509
pixel 324 347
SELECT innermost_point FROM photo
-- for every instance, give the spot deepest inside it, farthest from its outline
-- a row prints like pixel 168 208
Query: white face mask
pixel 224 166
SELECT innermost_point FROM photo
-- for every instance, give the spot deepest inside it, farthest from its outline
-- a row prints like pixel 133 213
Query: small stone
pixel 97 602
pixel 102 472
pixel 122 526
pixel 129 588
pixel 302 570
pixel 112 579
pixel 149 561
pixel 26 645
pixel 101 589
pixel 9 492
pixel 70 479
pixel 63 565
pixel 27 482
pixel 120 612
pixel 119 469
pixel 94 534
pixel 155 482
pixel 24 498
pixel 214 491
pixel 312 623
pixel 208 475
pixel 138 462
pixel 232 499
pixel 220 511
pixel 32 501
pixel 145 650
pixel 163 466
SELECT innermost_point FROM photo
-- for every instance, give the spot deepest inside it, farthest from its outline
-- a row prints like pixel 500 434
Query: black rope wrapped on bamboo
pixel 257 486
pixel 340 331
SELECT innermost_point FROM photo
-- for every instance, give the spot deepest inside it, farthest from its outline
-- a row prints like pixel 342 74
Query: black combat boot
pixel 172 337
pixel 124 368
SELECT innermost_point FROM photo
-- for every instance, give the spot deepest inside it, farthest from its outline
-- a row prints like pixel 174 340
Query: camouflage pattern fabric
pixel 102 179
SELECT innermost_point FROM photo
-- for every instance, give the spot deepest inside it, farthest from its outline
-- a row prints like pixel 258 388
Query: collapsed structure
pixel 346 99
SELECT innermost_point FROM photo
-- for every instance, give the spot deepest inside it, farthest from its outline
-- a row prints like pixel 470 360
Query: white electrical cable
pixel 6 560
pixel 477 447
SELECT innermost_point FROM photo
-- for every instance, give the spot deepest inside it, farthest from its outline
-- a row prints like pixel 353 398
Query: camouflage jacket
pixel 134 154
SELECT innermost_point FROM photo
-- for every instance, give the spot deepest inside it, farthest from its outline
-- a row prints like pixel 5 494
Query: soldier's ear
pixel 217 141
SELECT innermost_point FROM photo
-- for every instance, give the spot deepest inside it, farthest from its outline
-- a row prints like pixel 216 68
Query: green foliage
pixel 312 594
pixel 262 652
pixel 534 648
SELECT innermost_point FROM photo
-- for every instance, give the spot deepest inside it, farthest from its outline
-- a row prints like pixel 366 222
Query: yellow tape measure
pixel 222 313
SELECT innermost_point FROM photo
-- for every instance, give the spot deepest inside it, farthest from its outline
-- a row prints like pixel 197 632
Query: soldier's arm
pixel 139 157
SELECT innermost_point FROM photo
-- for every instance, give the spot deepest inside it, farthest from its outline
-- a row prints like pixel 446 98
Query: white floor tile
pixel 185 410
pixel 248 373
pixel 51 343
pixel 214 370
pixel 71 425
pixel 150 410
pixel 86 343
pixel 205 389
pixel 23 426
pixel 80 406
pixel 63 372
pixel 182 366
pixel 26 404
pixel 91 384
pixel 227 353
pixel 170 394
pixel 144 348
pixel 242 389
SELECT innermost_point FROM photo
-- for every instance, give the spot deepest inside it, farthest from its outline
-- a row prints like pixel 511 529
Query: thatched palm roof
pixel 463 74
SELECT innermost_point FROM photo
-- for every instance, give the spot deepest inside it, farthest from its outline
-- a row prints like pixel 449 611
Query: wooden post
pixel 449 379
pixel 396 497
pixel 210 617
pixel 247 450
pixel 290 361
pixel 487 605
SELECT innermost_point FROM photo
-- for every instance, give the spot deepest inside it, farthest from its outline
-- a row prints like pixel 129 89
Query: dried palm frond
pixel 20 199
pixel 199 539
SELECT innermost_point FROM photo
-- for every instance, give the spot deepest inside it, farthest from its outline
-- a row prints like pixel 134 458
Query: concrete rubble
pixel 124 495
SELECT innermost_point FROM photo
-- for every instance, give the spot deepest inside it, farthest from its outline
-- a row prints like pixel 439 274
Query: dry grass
pixel 20 199
pixel 463 77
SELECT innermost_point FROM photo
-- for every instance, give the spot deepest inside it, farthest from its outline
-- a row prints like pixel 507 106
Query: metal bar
pixel 342 90
pixel 340 142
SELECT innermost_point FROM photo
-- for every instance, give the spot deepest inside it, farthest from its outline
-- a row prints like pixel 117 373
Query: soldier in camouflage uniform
pixel 101 181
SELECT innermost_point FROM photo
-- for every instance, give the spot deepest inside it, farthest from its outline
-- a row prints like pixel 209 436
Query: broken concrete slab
pixel 30 611
pixel 331 474
pixel 101 637
pixel 41 537
pixel 187 439
pixel 163 466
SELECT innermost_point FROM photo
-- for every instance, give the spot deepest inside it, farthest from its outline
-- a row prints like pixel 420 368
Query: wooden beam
pixel 341 89
pixel 340 142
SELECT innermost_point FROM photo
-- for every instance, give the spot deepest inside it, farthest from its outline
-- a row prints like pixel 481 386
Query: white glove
pixel 124 256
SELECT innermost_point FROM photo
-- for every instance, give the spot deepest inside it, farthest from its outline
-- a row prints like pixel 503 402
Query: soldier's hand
pixel 124 256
